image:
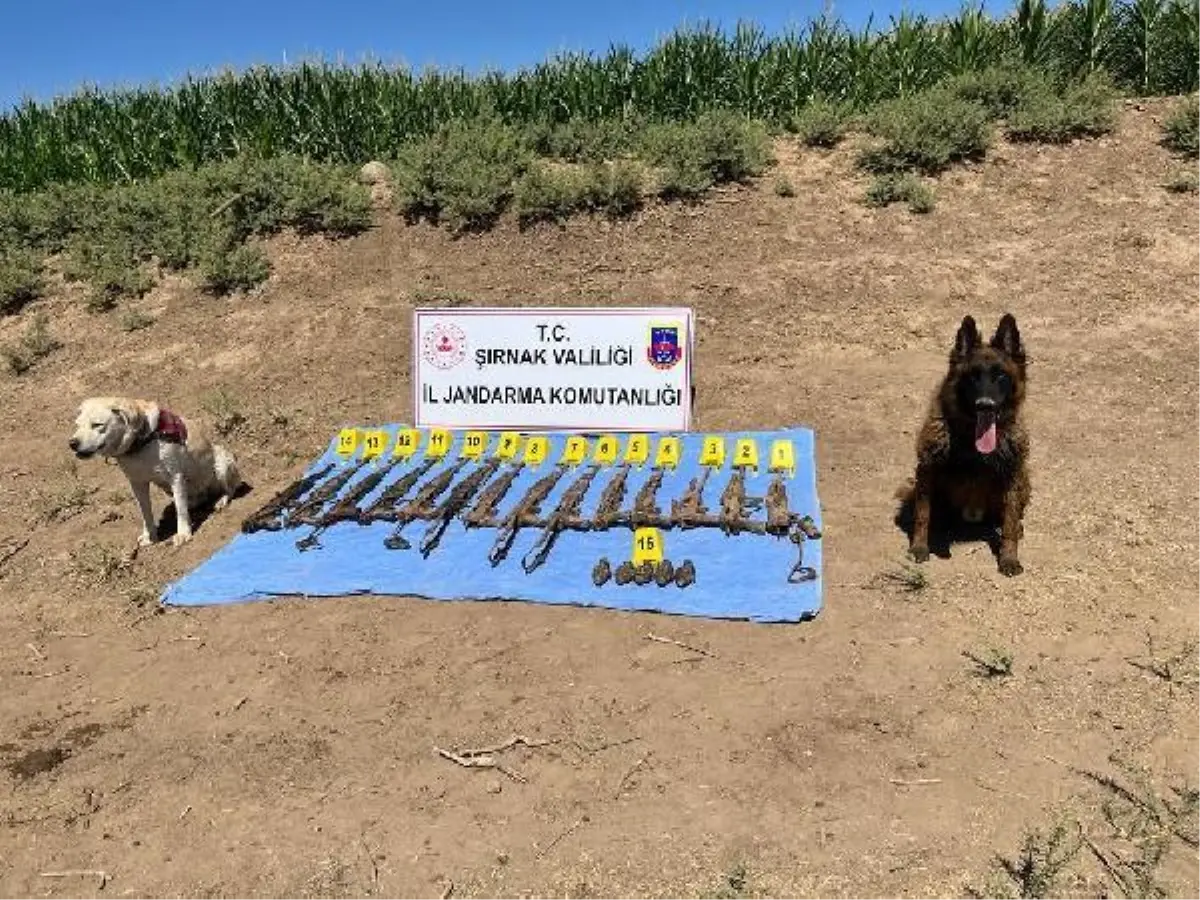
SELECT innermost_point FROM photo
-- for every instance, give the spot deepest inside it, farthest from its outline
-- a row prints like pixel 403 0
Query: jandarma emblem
pixel 664 350
pixel 444 346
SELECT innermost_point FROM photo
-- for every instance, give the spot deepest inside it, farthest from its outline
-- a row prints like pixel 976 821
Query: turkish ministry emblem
pixel 664 350
pixel 444 346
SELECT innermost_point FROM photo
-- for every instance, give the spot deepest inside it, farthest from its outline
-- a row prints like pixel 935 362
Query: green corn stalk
pixel 1097 27
pixel 1034 31
pixel 1139 24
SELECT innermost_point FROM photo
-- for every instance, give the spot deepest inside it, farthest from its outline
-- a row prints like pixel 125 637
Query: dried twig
pixel 480 762
pixel 511 742
pixel 554 843
pixel 187 809
pixel 915 781
pixel 12 550
pixel 483 758
pixel 624 778
pixel 36 652
pixel 446 894
pixel 664 640
pixel 74 873
pixel 240 703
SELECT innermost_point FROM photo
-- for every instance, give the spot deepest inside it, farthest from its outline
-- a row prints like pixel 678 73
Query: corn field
pixel 350 115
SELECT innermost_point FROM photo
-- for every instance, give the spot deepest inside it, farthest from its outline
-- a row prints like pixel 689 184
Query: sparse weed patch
pixel 1040 864
pixel 992 663
pixel 1081 110
pixel 20 279
pixel 733 884
pixel 464 175
pixel 62 502
pixel 907 577
pixel 225 269
pixel 784 187
pixel 1181 130
pixel 33 346
pixel 926 133
pixel 821 123
pixel 1178 669
pixel 96 564
pixel 720 147
pixel 225 412
pixel 135 320
pixel 1001 89
pixel 1182 183
pixel 900 188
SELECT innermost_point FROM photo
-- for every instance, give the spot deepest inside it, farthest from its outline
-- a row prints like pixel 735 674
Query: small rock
pixel 494 786
pixel 374 172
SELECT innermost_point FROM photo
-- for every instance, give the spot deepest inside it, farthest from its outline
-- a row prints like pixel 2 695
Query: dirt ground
pixel 286 748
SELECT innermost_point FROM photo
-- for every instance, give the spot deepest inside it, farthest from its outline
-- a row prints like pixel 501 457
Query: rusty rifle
pixel 420 506
pixel 269 517
pixel 565 516
pixel 453 505
pixel 346 509
pixel 524 513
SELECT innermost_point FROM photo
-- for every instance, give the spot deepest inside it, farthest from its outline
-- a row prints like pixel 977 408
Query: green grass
pixel 721 147
pixel 34 345
pixel 901 188
pixel 1183 183
pixel 582 105
pixel 115 239
pixel 1181 130
pixel 821 123
pixel 927 132
pixel 20 279
pixel 1081 111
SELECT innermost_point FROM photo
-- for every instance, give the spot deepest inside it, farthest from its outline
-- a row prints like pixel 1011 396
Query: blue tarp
pixel 741 576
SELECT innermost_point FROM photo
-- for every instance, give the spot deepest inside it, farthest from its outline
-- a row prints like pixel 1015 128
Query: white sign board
pixel 551 369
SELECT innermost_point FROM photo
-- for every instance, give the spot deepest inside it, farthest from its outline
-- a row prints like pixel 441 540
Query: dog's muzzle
pixel 74 445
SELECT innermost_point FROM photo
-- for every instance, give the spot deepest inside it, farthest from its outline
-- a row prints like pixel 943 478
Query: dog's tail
pixel 907 491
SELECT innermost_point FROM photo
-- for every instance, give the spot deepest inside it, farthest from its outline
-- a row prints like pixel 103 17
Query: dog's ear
pixel 966 340
pixel 136 424
pixel 1008 339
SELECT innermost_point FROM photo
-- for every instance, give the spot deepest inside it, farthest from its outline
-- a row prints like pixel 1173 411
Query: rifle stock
pixel 269 517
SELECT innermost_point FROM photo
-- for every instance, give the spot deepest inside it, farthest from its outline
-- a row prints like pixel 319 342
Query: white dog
pixel 154 446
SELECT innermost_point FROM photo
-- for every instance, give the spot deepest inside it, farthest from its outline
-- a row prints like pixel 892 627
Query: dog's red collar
pixel 170 429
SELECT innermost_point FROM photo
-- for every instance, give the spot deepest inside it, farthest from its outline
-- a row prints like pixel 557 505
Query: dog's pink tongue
pixel 985 433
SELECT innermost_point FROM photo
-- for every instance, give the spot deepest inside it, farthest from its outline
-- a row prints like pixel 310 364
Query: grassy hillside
pixel 350 115
pixel 111 190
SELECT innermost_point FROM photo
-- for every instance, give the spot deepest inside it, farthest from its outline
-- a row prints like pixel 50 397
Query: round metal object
pixel 685 574
pixel 601 572
pixel 664 573
pixel 624 573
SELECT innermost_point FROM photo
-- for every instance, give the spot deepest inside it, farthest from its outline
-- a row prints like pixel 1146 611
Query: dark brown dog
pixel 972 450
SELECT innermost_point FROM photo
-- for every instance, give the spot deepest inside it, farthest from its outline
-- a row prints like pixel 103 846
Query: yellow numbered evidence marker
pixel 510 443
pixel 712 453
pixel 575 452
pixel 647 546
pixel 746 454
pixel 606 450
pixel 637 450
pixel 474 445
pixel 439 443
pixel 667 455
pixel 536 450
pixel 783 457
pixel 407 441
pixel 347 442
pixel 374 443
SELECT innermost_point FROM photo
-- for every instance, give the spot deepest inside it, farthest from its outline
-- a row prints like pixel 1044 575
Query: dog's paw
pixel 919 553
pixel 1010 566
pixel 222 502
pixel 181 538
pixel 146 538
